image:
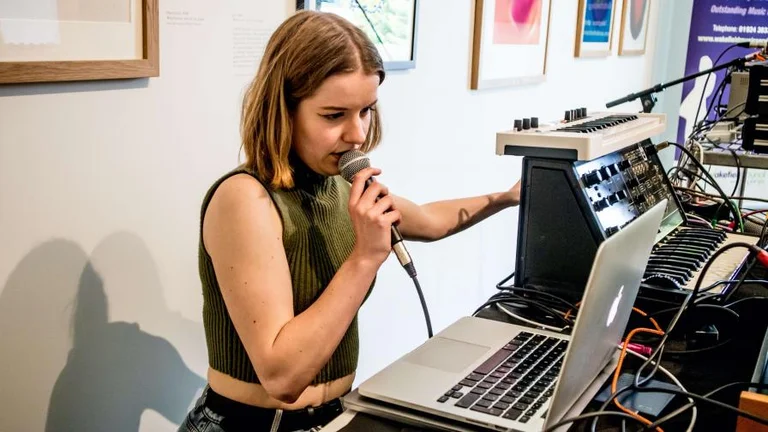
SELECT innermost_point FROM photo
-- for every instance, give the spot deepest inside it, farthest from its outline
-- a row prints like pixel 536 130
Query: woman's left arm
pixel 440 219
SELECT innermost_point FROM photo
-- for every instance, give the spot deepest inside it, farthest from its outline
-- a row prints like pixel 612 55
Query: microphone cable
pixel 423 303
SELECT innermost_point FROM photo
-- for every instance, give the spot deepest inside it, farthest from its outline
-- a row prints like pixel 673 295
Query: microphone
pixel 762 44
pixel 351 163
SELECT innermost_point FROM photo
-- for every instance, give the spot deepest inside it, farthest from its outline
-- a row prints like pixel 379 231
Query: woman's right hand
pixel 373 214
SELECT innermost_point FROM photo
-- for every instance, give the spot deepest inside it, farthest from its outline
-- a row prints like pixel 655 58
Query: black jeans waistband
pixel 237 416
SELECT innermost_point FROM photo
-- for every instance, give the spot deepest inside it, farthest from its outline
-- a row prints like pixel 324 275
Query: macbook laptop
pixel 512 378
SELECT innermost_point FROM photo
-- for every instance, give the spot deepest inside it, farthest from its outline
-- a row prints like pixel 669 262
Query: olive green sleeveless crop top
pixel 318 237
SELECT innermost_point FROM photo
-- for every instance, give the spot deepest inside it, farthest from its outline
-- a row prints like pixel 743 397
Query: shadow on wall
pixel 65 366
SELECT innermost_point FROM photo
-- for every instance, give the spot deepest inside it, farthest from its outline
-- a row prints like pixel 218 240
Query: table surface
pixel 698 372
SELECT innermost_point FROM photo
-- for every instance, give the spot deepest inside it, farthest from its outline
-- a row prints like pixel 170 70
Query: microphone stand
pixel 648 97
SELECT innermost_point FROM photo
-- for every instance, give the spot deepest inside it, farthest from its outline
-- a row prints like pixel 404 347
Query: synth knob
pixel 534 122
pixel 568 115
pixel 621 195
pixel 591 179
pixel 583 112
pixel 633 182
pixel 613 169
pixel 601 205
pixel 623 165
pixel 518 125
pixel 526 123
pixel 613 199
pixel 574 114
pixel 605 172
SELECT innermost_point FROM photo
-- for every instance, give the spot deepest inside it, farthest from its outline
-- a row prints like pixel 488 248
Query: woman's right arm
pixel 242 233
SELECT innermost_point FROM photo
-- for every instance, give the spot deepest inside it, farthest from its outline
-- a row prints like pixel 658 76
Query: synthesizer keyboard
pixel 680 256
pixel 570 205
pixel 583 137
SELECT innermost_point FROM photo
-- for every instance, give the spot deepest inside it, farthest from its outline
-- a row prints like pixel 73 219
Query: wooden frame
pixel 389 65
pixel 478 80
pixel 626 15
pixel 593 49
pixel 55 71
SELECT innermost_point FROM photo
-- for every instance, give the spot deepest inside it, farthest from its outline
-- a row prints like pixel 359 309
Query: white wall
pixel 100 187
pixel 673 26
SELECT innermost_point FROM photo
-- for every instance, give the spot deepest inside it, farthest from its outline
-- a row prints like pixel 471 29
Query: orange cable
pixel 617 372
pixel 653 321
pixel 568 314
pixel 638 310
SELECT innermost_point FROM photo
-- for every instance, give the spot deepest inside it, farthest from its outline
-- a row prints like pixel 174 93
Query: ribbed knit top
pixel 318 237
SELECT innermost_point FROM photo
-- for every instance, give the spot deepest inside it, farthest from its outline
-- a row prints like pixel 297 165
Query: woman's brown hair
pixel 304 51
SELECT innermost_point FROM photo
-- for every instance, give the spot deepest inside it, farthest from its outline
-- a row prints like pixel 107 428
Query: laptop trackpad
pixel 447 355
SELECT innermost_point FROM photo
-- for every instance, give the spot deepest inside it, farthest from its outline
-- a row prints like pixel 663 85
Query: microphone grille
pixel 351 163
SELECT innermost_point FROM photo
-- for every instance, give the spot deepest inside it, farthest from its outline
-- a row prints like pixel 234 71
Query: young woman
pixel 288 249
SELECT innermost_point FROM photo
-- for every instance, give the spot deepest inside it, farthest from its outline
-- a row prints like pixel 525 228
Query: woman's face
pixel 335 119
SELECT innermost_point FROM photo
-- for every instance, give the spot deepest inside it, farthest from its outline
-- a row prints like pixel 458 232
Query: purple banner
pixel 716 24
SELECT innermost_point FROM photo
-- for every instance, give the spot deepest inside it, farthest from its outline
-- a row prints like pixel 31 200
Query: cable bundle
pixel 563 313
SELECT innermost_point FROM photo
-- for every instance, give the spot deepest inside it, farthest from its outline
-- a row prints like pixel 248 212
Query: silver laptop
pixel 508 377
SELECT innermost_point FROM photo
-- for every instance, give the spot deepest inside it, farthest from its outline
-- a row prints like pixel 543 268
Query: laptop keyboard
pixel 515 382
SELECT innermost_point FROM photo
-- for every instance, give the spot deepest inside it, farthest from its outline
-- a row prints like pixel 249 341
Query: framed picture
pixel 634 27
pixel 392 25
pixel 78 40
pixel 594 28
pixel 509 44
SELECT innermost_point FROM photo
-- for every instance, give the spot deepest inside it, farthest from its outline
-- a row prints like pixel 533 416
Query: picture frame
pixel 49 65
pixel 392 25
pixel 504 32
pixel 635 17
pixel 594 28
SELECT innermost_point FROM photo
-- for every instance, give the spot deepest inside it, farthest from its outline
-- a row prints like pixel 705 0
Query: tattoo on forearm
pixel 466 220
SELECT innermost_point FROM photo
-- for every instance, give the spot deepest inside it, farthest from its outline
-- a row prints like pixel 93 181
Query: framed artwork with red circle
pixel 634 27
pixel 509 42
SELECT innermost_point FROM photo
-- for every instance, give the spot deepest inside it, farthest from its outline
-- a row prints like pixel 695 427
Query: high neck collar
pixel 304 177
